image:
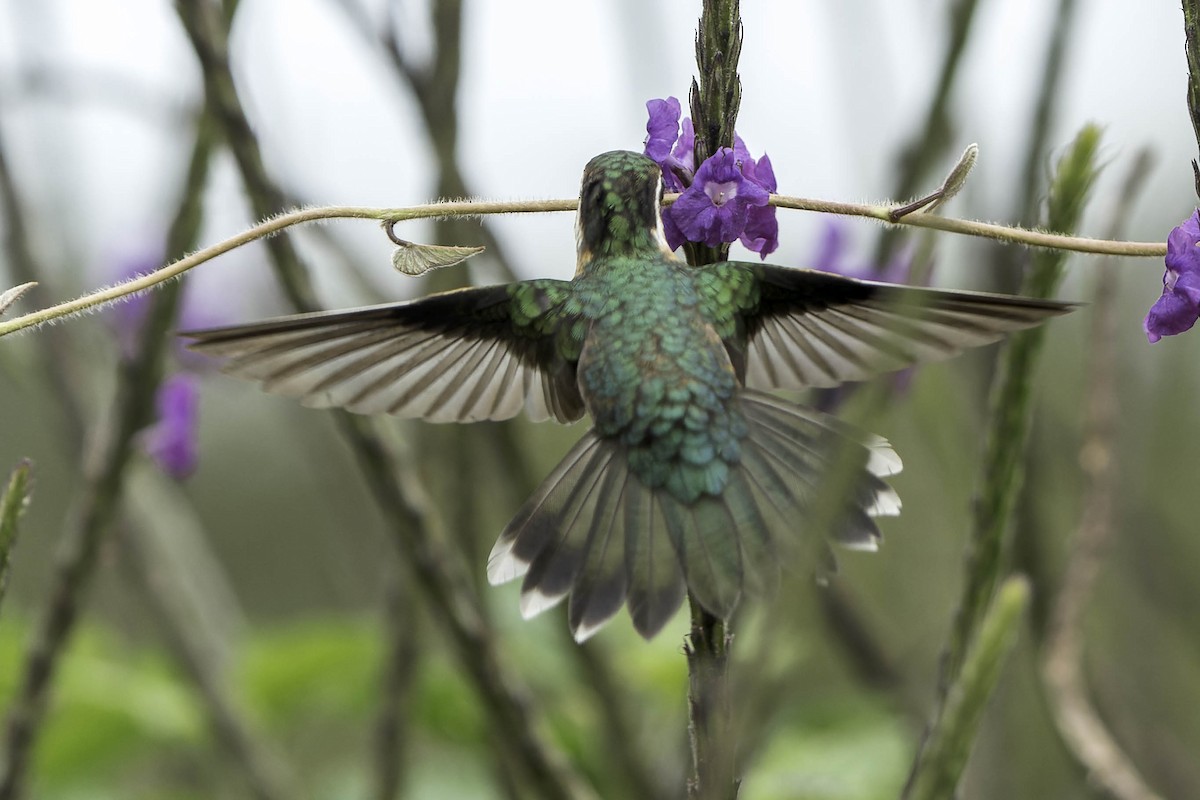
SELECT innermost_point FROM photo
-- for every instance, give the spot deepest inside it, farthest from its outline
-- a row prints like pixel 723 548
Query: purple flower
pixel 1179 306
pixel 831 256
pixel 832 253
pixel 171 441
pixel 724 200
pixel 716 207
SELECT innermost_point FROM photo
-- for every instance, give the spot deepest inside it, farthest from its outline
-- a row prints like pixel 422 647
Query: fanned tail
pixel 594 532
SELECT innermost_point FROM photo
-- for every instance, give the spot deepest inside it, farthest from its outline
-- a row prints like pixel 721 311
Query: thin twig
pixel 264 771
pixel 23 263
pixel 1006 263
pixel 399 672
pixel 1082 729
pixel 472 208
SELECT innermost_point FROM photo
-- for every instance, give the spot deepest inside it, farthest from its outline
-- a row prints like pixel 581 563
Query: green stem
pixel 12 505
pixel 394 482
pixel 1004 451
pixel 138 382
pixel 710 727
pixel 928 144
pixel 715 98
pixel 1191 34
pixel 949 743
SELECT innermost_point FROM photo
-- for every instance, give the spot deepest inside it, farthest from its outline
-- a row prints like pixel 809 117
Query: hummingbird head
pixel 620 207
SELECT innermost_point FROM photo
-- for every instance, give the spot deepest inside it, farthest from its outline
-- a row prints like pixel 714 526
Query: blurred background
pixel 251 629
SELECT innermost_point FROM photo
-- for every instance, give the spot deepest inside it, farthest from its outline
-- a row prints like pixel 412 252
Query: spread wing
pixel 803 328
pixel 471 354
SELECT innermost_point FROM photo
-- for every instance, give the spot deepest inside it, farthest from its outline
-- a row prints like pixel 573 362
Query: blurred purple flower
pixel 832 254
pixel 1178 308
pixel 724 200
pixel 171 441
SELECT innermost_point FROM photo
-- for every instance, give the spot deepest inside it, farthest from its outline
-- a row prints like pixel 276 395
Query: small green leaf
pixel 10 296
pixel 417 259
pixel 958 176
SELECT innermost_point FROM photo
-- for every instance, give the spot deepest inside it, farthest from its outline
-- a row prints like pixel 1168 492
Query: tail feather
pixel 536 522
pixel 656 586
pixel 707 541
pixel 593 531
pixel 601 584
pixel 556 561
pixel 757 514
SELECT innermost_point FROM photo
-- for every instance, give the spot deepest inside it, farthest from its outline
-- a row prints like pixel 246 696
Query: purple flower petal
pixel 1182 253
pixel 674 236
pixel 171 441
pixel 761 234
pixel 1171 314
pixel 662 129
pixel 1178 307
pixel 761 172
pixel 666 147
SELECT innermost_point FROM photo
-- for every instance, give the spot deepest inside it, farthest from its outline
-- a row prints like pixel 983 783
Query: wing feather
pixel 453 357
pixel 810 329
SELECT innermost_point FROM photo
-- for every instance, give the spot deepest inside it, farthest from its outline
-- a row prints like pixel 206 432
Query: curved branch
pixel 479 208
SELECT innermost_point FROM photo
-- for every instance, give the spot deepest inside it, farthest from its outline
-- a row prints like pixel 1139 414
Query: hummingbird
pixel 693 478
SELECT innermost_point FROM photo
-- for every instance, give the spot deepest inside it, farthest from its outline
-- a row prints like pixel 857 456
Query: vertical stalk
pixel 715 97
pixel 1191 35
pixel 710 729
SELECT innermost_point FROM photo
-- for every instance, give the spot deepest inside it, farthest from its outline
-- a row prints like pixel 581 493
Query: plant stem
pixel 393 481
pixel 1004 452
pixel 1191 35
pixel 1080 725
pixel 12 504
pixel 138 382
pixel 715 98
pixel 475 208
pixel 710 727
pixel 949 743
